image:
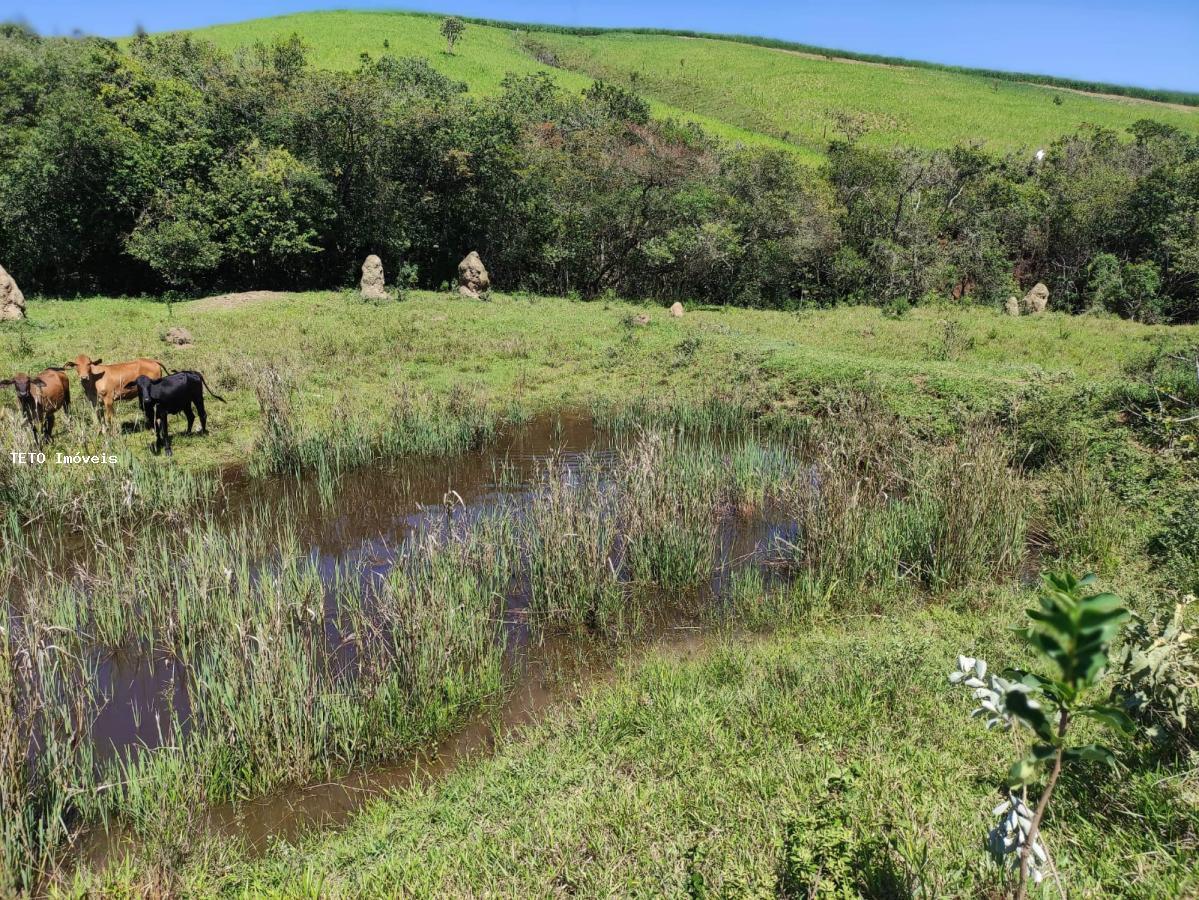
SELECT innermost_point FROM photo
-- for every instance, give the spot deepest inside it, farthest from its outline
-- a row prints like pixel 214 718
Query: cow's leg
pixel 48 426
pixel 109 414
pixel 191 417
pixel 166 433
pixel 203 416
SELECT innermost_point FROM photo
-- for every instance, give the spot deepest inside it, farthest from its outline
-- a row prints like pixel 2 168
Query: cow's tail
pixel 163 367
pixel 204 382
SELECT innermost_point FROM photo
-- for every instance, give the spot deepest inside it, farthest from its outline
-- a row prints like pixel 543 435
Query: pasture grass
pixel 796 97
pixel 913 485
pixel 737 91
pixel 345 366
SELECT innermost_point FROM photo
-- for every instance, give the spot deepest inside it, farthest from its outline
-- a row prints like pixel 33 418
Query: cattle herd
pixel 159 392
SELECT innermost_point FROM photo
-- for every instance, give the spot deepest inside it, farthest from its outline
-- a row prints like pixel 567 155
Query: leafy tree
pixel 1128 289
pixel 451 29
pixel 117 161
pixel 1071 634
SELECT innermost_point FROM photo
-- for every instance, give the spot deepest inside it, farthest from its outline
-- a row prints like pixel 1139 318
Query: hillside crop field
pixel 737 91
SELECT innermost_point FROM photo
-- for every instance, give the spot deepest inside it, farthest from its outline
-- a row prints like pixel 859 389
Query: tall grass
pixel 574 549
pixel 286 676
pixel 45 697
pixel 880 509
pixel 1082 518
pixel 82 496
pixel 410 426
pixel 711 415
pixel 670 515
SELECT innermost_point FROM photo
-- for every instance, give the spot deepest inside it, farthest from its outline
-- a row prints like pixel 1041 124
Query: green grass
pixel 736 90
pixel 793 96
pixel 689 769
pixel 349 361
pixel 483 57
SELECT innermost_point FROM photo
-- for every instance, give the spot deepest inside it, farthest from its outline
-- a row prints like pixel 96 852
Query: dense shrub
pixel 1157 680
pixel 169 164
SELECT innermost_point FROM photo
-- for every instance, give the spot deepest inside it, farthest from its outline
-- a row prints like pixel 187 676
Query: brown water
pixel 361 529
pixel 359 524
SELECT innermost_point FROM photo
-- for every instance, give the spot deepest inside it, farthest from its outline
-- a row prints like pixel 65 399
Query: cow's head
pixel 85 367
pixel 143 392
pixel 24 386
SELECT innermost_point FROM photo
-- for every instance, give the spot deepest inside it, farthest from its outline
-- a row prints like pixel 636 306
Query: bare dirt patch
pixel 233 301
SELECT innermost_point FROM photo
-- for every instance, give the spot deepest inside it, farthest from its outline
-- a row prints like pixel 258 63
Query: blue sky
pixel 1154 43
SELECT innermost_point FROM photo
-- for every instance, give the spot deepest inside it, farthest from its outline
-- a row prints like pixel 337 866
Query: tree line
pixel 168 165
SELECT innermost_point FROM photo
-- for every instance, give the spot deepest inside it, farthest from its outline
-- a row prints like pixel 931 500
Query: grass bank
pixel 719 774
pixel 347 362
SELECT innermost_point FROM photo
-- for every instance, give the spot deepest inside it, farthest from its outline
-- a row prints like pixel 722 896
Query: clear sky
pixel 1154 43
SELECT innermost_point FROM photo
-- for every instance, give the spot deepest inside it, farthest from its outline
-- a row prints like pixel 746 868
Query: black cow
pixel 175 393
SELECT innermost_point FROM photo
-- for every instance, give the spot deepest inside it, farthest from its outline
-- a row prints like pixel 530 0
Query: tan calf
pixel 106 384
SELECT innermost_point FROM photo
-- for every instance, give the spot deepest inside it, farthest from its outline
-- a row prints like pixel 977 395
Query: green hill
pixel 484 56
pixel 738 90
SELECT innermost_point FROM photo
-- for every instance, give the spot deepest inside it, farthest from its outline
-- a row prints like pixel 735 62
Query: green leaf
pixel 1090 752
pixel 1022 772
pixel 1109 716
pixel 1101 602
pixel 1027 711
pixel 1029 769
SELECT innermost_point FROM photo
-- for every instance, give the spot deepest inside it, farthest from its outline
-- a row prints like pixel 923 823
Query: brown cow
pixel 107 384
pixel 41 397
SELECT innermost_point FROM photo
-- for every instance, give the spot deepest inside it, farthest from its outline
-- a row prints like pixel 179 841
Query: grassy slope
pixel 739 91
pixel 695 768
pixel 554 353
pixel 482 59
pixel 780 93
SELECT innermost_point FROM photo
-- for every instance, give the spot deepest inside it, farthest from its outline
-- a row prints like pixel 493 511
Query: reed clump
pixel 408 426
pixel 878 509
pixel 574 548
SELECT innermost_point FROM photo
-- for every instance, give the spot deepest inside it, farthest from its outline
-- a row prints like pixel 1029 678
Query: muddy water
pixel 359 524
